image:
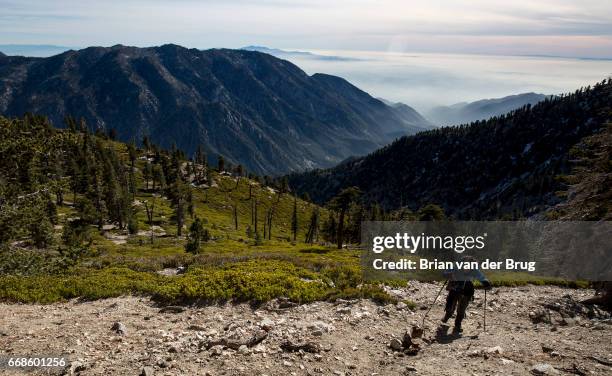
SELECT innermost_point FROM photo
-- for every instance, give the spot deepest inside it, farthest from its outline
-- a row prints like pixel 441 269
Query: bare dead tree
pixel 150 212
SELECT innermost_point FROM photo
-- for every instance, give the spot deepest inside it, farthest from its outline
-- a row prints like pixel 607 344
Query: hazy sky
pixel 544 27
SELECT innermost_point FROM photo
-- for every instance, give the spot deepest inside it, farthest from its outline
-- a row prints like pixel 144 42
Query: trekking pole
pixel 432 304
pixel 485 313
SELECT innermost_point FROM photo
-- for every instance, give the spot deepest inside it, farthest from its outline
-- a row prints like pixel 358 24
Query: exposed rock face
pixel 250 107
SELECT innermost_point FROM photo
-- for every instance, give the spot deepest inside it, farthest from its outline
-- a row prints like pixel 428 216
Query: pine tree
pixel 180 194
pixel 196 236
pixel 431 212
pixel 329 229
pixel 312 233
pixel 147 174
pixel 220 163
pixel 146 143
pixel 341 204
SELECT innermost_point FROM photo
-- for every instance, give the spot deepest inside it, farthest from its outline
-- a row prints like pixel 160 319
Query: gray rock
pixel 147 371
pixel 547 349
pixel 544 369
pixel 540 316
pixel 266 324
pixel 407 340
pixel 197 328
pixel 322 326
pixel 76 367
pixel 317 333
pixel 119 328
pixel 395 344
pixel 416 332
pixel 495 350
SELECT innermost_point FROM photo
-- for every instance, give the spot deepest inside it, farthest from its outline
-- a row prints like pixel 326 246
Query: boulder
pixel 544 369
pixel 266 324
pixel 416 332
pixel 406 340
pixel 395 344
pixel 119 328
pixel 495 350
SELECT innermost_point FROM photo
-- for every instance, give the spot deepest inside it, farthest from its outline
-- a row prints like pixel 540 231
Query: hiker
pixel 461 292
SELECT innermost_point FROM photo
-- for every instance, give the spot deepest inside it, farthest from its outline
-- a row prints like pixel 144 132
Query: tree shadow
pixel 318 251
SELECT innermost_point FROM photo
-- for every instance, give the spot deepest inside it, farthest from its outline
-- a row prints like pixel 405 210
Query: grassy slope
pixel 230 267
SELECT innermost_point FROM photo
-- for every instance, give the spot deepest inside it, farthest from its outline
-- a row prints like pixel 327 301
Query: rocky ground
pixel 530 330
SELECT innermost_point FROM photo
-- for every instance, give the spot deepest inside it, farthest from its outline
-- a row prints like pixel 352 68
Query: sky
pixel 519 27
pixel 424 53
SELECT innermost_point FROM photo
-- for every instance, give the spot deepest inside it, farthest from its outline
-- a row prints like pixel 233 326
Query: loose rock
pixel 544 369
pixel 119 328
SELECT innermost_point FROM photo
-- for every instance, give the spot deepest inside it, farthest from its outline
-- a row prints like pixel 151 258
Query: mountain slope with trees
pixel 505 167
pixel 252 108
pixel 461 113
pixel 84 216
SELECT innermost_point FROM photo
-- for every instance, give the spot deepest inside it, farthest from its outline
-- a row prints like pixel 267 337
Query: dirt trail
pixel 342 338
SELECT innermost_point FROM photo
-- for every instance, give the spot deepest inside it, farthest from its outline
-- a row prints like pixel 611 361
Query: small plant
pixel 258 239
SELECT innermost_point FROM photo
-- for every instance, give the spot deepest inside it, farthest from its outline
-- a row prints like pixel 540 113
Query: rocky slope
pixel 530 330
pixel 250 107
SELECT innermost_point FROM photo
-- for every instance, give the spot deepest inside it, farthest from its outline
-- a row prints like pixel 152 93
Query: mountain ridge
pixel 466 112
pixel 254 109
pixel 504 167
pixel 292 53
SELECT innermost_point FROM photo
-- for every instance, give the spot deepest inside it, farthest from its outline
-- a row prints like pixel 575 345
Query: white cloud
pixel 565 27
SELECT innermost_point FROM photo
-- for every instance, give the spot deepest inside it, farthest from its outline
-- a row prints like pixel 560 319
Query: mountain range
pixel 461 113
pixel 510 166
pixel 253 108
pixel 286 54
pixel 38 50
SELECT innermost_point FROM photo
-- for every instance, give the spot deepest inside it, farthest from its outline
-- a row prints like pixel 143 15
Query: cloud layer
pixel 546 27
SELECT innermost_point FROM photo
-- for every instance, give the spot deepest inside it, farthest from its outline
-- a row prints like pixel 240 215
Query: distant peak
pixel 172 46
pixel 255 48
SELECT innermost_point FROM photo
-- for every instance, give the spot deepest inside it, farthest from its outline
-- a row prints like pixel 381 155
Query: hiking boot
pixel 457 330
